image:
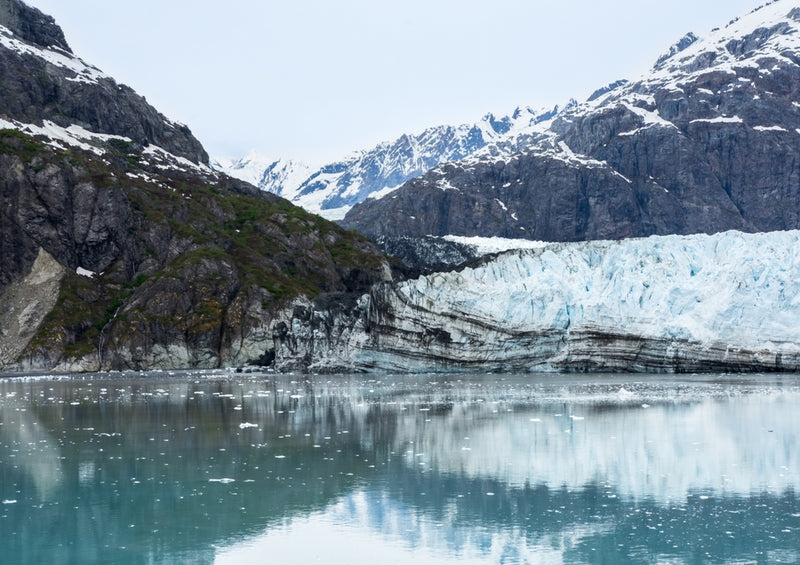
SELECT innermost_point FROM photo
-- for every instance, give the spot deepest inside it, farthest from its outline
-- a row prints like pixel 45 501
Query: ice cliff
pixel 729 301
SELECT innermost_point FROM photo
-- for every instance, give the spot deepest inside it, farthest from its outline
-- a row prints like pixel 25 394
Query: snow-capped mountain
pixel 278 176
pixel 332 189
pixel 705 142
pixel 664 303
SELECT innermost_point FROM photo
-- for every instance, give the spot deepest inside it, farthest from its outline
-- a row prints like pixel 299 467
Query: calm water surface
pixel 224 468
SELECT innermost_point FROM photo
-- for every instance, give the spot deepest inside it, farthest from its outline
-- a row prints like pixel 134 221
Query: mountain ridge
pixel 663 154
pixel 333 188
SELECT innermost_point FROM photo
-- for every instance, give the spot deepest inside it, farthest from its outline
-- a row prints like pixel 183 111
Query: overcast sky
pixel 317 79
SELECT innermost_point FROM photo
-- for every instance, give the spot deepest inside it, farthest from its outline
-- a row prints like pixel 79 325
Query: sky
pixel 317 79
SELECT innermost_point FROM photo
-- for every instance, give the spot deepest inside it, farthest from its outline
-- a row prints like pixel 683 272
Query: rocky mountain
pixel 725 302
pixel 707 141
pixel 119 246
pixel 332 189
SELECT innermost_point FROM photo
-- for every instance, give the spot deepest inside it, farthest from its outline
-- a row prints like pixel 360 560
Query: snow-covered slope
pixel 730 301
pixel 332 189
pixel 279 176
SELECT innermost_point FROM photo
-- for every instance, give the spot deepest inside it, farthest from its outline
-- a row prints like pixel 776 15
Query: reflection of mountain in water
pixel 473 467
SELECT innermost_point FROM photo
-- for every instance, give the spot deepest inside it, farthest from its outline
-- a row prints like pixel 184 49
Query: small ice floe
pixel 624 394
pixel 9 501
pixel 245 425
pixel 577 417
pixel 224 481
pixel 280 457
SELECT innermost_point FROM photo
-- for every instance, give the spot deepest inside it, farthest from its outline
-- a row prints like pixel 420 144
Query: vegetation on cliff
pixel 158 256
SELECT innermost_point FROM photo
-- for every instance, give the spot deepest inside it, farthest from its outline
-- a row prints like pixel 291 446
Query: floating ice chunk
pixel 245 425
pixel 623 393
pixel 224 481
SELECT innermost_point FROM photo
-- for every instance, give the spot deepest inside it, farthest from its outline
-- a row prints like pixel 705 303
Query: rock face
pixel 428 254
pixel 662 304
pixel 32 25
pixel 119 247
pixel 161 268
pixel 708 141
pixel 331 190
pixel 43 81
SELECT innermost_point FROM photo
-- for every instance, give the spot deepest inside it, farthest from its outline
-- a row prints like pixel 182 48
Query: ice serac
pixel 706 141
pixel 726 302
pixel 332 189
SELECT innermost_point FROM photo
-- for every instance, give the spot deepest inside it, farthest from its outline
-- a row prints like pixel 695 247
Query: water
pixel 223 468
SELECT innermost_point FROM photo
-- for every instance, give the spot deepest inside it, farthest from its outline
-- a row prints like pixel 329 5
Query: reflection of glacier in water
pixel 736 446
pixel 427 469
pixel 568 473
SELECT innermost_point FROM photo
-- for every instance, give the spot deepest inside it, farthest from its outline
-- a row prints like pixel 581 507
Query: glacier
pixel 723 302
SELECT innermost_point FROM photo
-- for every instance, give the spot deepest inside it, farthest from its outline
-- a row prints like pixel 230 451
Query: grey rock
pixel 427 254
pixel 32 25
pixel 35 89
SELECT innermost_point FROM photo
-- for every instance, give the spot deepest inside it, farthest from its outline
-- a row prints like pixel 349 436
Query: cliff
pixel 669 304
pixel 119 247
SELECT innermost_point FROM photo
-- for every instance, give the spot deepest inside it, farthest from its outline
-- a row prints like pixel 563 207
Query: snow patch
pixel 445 185
pixel 62 138
pixel 378 194
pixel 719 120
pixel 83 72
pixel 484 245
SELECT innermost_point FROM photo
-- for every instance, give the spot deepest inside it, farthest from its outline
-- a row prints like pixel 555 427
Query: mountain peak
pixel 332 189
pixel 705 142
pixel 31 25
pixel 677 47
pixel 45 86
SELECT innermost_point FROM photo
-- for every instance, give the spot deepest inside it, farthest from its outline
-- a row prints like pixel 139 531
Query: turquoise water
pixel 202 467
